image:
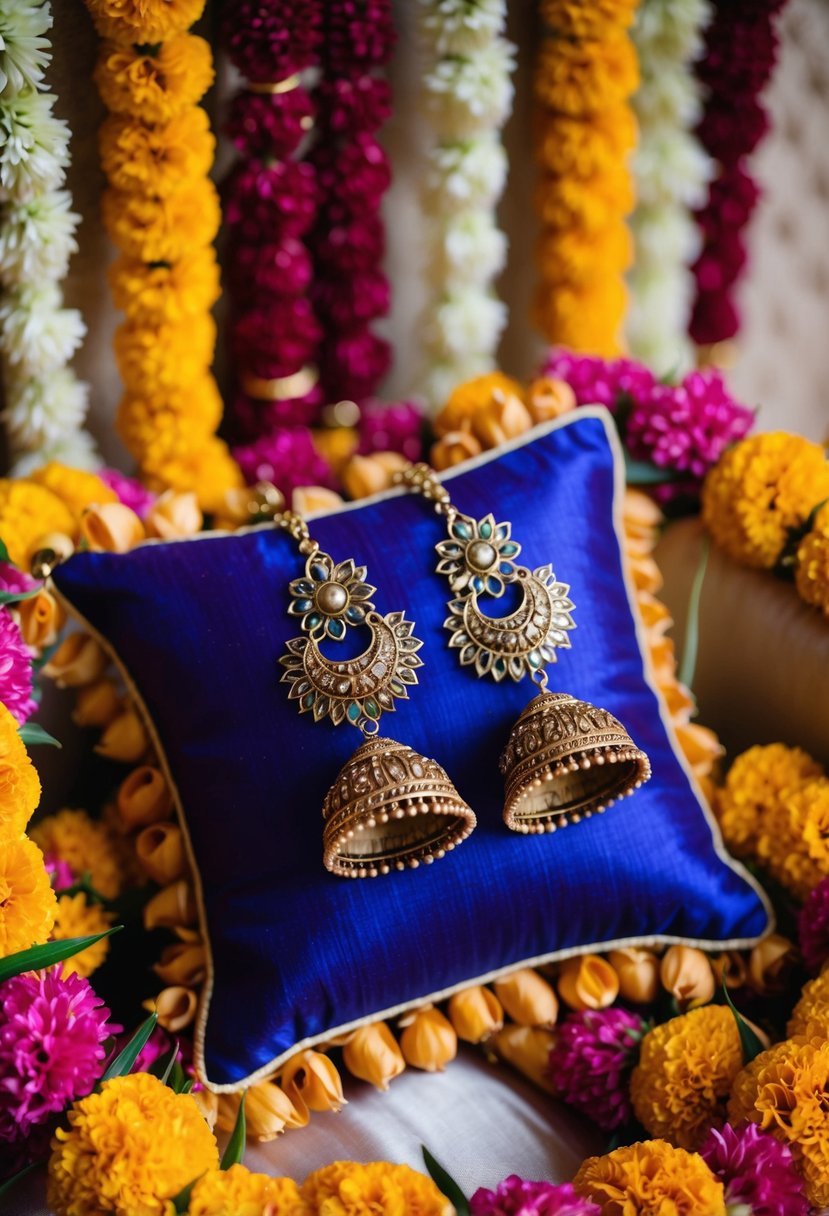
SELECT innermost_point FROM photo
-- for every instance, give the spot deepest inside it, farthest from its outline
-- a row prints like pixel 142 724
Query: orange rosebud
pixel 476 1014
pixel 175 1007
pixel 588 982
pixel 548 398
pixel 208 1104
pixel 268 1111
pixel 528 998
pixel 171 906
pixel 77 661
pixel 638 974
pixel 60 544
pixel 160 850
pixel 111 528
pixel 770 963
pixel 372 1054
pixel 527 1048
pixel 454 448
pixel 641 516
pixel 182 963
pixel 97 704
pixel 428 1040
pixel 312 1079
pixel 365 475
pixel 41 617
pixel 686 973
pixel 144 798
pixel 305 500
pixel 502 418
pixel 124 739
pixel 174 514
pixel 729 968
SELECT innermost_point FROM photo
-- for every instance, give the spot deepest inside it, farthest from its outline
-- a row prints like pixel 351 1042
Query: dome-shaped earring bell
pixel 564 761
pixel 391 808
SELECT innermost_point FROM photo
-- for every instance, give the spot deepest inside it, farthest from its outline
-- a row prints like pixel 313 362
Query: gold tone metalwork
pixel 43 563
pixel 391 809
pixel 281 388
pixel 272 87
pixel 566 760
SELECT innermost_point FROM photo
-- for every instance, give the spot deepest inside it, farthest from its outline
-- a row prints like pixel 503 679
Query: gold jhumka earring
pixel 390 808
pixel 565 759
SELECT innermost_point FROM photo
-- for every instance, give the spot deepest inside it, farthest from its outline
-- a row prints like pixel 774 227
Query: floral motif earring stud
pixel 565 759
pixel 390 808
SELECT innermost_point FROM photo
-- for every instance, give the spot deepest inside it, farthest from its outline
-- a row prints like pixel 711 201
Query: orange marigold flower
pixel 154 88
pixel 143 21
pixel 474 396
pixel 158 426
pixel 77 917
pixel 810 1016
pixel 793 846
pixel 786 1091
pixel 27 513
pixel 590 206
pixel 27 901
pixel 76 488
pixel 156 160
pixel 239 1192
pixel 567 147
pixel 812 569
pixel 584 77
pixel 584 319
pixel 759 491
pixel 209 470
pixel 575 19
pixel 345 1188
pixel 154 359
pixel 165 294
pixel 578 257
pixel 129 1148
pixel 651 1178
pixel 19 782
pixel 88 847
pixel 681 1084
pixel 165 229
pixel 748 804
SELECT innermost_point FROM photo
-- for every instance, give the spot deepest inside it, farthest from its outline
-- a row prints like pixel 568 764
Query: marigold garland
pixel 162 213
pixel 585 74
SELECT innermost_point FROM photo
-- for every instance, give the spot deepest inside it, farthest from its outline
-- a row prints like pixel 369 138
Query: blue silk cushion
pixel 298 954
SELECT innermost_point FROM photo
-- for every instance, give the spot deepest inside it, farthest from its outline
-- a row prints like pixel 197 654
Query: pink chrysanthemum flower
pixel 14 580
pixel 813 926
pixel 757 1171
pixel 15 670
pixel 391 428
pixel 591 1062
pixel 52 1031
pixel 598 381
pixel 517 1197
pixel 59 871
pixel 288 458
pixel 130 492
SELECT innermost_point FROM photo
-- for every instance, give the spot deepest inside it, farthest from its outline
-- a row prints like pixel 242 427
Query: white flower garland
pixel 671 171
pixel 46 404
pixel 467 95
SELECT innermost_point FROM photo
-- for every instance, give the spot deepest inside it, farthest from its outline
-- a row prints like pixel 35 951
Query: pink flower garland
pixel 740 52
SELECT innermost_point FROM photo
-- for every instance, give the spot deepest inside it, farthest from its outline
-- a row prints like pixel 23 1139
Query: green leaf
pixel 643 473
pixel 123 1062
pixel 751 1044
pixel 32 732
pixel 15 597
pixel 11 1183
pixel 235 1150
pixel 178 1079
pixel 187 1086
pixel 4 553
pixel 38 957
pixel 181 1202
pixel 445 1183
pixel 690 650
pixel 164 1065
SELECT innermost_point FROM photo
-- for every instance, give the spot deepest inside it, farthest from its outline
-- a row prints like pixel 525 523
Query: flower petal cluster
pixel 517 1196
pixel 810 1016
pixel 757 1171
pixel 239 1192
pixel 813 926
pixel 27 901
pixel 812 565
pixel 651 1178
pixel 15 669
pixel 77 916
pixel 345 1188
pixel 591 1062
pixel 87 846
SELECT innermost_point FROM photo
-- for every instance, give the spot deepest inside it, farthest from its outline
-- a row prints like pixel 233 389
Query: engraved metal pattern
pixel 331 597
pixel 391 809
pixel 566 760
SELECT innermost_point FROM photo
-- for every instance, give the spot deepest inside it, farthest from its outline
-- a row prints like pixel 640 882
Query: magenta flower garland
pixel 591 1062
pixel 741 46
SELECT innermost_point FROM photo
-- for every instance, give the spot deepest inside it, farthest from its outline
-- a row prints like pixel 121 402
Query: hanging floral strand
pixel 740 52
pixel 162 213
pixel 671 171
pixel 46 404
pixel 467 97
pixel 586 72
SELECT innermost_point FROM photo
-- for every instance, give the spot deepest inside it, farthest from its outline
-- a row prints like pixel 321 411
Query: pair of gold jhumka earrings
pixel 391 808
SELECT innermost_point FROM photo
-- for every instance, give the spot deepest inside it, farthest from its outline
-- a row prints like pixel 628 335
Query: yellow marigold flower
pixel 812 569
pixel 792 841
pixel 810 807
pixel 761 489
pixel 27 512
pixel 143 21
pixel 155 295
pixel 585 208
pixel 682 1081
pixel 587 318
pixel 348 1189
pixel 786 1091
pixel 87 847
pixel 238 1192
pixel 567 148
pixel 810 1016
pixel 155 359
pixel 162 229
pixel 129 1149
pixel 472 397
pixel 27 901
pixel 142 159
pixel 76 917
pixel 651 1178
pixel 154 87
pixel 577 257
pixel 753 789
pixel 584 77
pixel 575 19
pixel 19 782
pixel 209 470
pixel 76 488
pixel 160 426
